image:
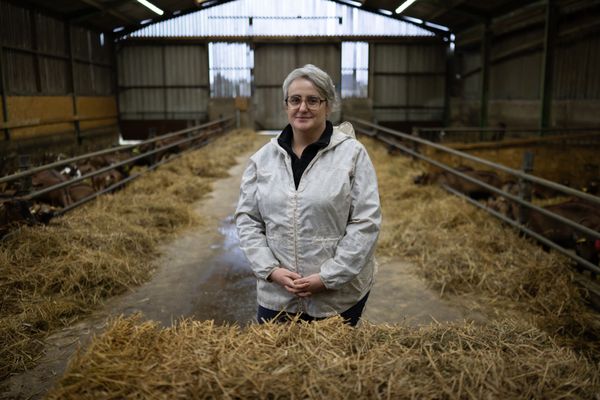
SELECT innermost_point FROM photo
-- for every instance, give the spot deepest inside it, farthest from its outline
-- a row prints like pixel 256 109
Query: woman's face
pixel 302 118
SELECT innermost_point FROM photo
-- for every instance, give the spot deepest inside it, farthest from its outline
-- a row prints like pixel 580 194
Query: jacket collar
pixel 337 136
pixel 285 137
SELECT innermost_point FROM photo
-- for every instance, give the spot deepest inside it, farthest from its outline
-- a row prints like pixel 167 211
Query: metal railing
pixel 477 134
pixel 400 140
pixel 202 133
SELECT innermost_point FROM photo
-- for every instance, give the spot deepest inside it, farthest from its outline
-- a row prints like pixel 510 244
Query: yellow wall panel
pixel 26 108
pixel 97 106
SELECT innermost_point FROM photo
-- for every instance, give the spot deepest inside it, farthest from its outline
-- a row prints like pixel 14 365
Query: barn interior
pixel 503 85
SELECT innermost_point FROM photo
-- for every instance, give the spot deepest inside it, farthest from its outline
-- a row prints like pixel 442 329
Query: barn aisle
pixel 202 274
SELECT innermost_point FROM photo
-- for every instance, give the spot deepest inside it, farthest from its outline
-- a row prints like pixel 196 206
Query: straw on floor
pixel 326 360
pixel 52 275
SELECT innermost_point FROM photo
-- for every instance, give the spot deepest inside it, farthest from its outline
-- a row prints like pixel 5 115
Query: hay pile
pixel 462 250
pixel 327 360
pixel 50 276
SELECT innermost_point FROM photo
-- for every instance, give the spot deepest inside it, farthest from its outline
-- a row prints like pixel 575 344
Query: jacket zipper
pixel 301 303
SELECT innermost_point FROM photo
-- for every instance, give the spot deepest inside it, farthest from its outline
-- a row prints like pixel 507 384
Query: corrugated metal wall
pixel 273 62
pixel 516 65
pixel 577 71
pixel 407 81
pixel 163 82
pixel 471 81
pixel 280 18
pixel 36 55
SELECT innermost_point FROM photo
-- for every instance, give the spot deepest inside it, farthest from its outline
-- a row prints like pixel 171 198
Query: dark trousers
pixel 351 316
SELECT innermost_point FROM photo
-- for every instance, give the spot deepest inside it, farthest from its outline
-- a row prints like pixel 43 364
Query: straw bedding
pixel 462 250
pixel 329 360
pixel 50 276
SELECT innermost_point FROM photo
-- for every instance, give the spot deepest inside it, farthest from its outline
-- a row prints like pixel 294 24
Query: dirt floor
pixel 203 274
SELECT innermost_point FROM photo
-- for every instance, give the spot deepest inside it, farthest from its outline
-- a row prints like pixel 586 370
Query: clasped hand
pixel 296 284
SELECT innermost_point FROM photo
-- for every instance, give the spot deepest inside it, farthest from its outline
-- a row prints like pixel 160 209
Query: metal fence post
pixel 152 135
pixel 414 144
pixel 24 164
pixel 525 186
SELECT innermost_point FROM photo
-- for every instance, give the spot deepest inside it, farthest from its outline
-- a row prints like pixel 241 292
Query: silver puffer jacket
pixel 329 225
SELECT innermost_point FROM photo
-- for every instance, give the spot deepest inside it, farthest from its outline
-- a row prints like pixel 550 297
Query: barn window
pixel 355 69
pixel 230 69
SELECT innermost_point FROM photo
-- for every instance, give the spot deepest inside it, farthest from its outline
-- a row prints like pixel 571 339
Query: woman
pixel 308 216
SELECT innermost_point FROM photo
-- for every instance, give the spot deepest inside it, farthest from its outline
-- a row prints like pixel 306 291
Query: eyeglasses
pixel 312 102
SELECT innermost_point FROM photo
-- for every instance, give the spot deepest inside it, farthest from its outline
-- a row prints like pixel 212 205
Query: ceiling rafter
pixel 95 11
pixel 110 11
pixel 444 10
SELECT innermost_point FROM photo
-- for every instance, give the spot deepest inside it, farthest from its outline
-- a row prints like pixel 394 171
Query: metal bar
pixel 511 171
pixel 96 194
pixel 130 178
pixel 188 41
pixel 492 129
pixel 494 189
pixel 409 74
pixel 535 235
pixel 61 185
pixel 548 63
pixel 32 171
pixel 408 107
pixel 121 87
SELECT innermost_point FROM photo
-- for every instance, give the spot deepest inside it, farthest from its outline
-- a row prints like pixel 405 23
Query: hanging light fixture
pixel 404 6
pixel 151 6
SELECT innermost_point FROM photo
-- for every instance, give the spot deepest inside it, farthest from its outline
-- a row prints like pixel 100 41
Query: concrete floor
pixel 203 275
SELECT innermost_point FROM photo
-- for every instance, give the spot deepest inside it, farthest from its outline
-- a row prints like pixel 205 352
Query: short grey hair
pixel 319 78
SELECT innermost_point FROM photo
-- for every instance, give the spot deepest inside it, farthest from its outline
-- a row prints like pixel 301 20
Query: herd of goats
pixel 21 205
pixel 581 211
pixel 17 208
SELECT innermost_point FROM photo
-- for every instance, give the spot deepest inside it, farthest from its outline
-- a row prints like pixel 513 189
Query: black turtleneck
pixel 300 164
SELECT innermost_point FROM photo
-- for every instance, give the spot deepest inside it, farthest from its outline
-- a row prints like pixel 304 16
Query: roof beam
pixel 443 10
pixel 95 11
pixel 110 11
pixel 439 32
pixel 168 14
